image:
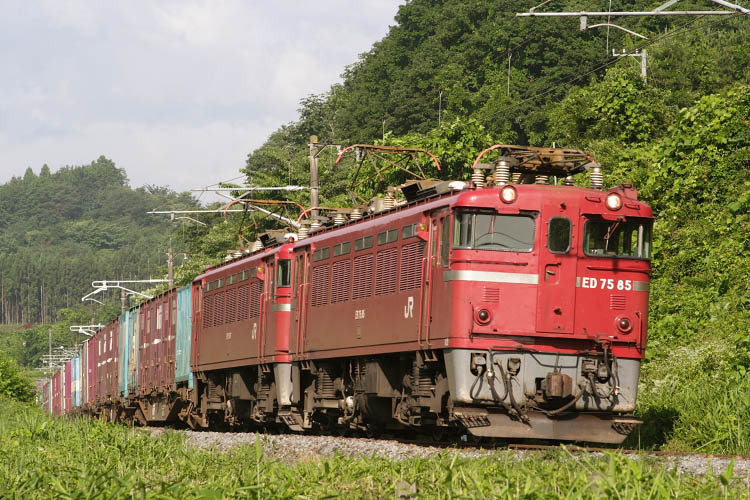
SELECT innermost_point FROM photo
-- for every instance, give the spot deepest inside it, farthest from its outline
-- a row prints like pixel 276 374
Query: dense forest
pixel 454 77
pixel 62 230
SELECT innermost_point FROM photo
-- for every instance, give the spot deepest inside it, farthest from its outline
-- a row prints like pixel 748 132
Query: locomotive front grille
pixel 617 302
pixel 491 295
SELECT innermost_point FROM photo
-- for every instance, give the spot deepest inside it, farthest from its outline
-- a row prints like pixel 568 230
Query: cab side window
pixel 560 235
pixel 445 225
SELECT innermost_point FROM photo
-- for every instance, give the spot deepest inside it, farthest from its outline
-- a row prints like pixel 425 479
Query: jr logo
pixel 409 308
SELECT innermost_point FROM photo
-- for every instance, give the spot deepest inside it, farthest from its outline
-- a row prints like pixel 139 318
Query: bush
pixel 13 384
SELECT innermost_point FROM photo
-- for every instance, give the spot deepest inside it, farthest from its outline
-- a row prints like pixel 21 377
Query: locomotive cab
pixel 550 295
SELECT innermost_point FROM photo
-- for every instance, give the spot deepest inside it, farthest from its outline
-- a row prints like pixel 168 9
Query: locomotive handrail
pixel 421 301
pixel 432 258
pixel 262 333
pixel 302 301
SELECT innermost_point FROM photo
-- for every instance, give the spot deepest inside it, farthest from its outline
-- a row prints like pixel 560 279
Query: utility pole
pixel 644 60
pixel 730 9
pixel 124 300
pixel 315 149
pixel 314 179
pixel 170 267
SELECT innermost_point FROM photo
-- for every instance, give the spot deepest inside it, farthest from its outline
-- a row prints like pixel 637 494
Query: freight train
pixel 513 306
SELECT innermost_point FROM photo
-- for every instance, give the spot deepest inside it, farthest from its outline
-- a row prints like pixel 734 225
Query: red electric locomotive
pixel 516 309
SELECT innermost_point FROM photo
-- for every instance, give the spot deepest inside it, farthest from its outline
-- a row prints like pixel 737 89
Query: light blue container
pixel 184 335
pixel 76 381
pixel 124 353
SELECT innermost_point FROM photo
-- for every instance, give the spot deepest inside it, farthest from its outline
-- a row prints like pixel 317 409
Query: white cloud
pixel 177 92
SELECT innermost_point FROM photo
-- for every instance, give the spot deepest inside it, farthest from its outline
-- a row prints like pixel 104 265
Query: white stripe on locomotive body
pixel 492 276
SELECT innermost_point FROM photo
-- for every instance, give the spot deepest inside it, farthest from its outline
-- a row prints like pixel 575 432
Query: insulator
pixel 228 257
pixel 237 253
pixel 569 181
pixel 315 224
pixel 597 178
pixel 477 177
pixel 304 231
pixel 257 245
pixel 502 173
pixel 389 201
pixel 542 179
pixel 516 177
pixel 356 214
pixel 339 218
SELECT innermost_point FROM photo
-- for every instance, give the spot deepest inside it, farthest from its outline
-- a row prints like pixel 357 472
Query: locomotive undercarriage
pixel 498 394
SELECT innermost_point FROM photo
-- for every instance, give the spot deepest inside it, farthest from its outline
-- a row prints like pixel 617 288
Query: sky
pixel 177 93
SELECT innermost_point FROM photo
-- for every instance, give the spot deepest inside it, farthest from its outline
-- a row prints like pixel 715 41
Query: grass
pixel 45 457
pixel 695 398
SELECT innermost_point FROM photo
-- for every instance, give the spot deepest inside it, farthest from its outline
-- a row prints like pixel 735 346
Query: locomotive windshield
pixel 620 239
pixel 490 231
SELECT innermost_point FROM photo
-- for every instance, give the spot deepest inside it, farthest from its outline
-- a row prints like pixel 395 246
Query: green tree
pixel 13 384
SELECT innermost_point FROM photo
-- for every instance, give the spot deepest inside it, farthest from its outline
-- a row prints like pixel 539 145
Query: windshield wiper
pixel 610 233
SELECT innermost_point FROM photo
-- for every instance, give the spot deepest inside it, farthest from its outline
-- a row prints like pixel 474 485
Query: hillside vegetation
pixel 59 232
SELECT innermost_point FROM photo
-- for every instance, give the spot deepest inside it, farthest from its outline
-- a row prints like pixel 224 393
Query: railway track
pixel 289 447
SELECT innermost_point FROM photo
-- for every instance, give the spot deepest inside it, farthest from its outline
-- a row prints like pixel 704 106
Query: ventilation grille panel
pixel 243 296
pixel 341 281
pixel 491 295
pixel 321 281
pixel 220 316
pixel 362 286
pixel 386 274
pixel 256 289
pixel 208 312
pixel 617 302
pixel 411 265
pixel 231 306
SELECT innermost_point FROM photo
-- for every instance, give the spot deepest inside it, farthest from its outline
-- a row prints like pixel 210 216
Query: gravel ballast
pixel 290 448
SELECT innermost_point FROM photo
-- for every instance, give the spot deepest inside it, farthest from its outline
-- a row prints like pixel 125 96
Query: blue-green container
pixel 184 335
pixel 125 343
pixel 133 334
pixel 76 380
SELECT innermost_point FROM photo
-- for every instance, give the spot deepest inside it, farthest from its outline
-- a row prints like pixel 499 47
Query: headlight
pixel 483 316
pixel 508 194
pixel 614 201
pixel 624 325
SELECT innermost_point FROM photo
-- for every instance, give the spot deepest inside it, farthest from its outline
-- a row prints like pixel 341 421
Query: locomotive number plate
pixel 607 284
